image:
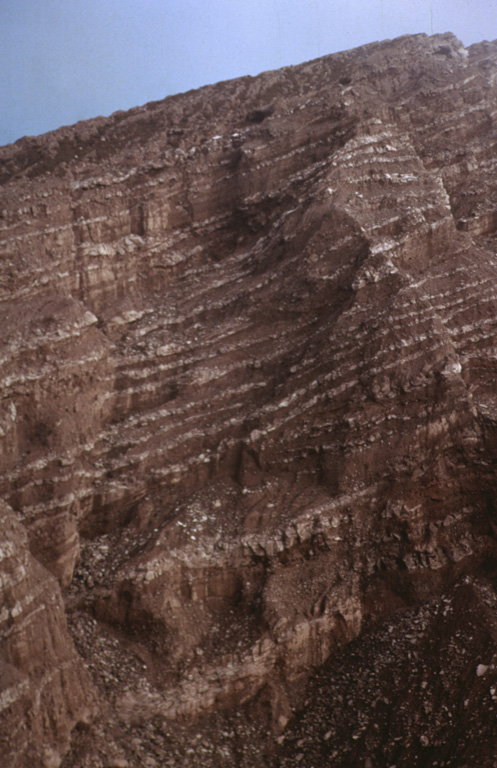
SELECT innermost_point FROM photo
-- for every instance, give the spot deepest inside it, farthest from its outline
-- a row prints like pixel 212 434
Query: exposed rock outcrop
pixel 44 690
pixel 248 419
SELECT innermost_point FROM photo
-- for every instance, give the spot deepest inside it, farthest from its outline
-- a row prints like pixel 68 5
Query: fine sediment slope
pixel 248 422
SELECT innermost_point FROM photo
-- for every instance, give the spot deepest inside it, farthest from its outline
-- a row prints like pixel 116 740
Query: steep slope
pixel 248 412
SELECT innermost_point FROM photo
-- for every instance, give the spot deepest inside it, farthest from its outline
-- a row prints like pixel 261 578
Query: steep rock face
pixel 44 689
pixel 248 404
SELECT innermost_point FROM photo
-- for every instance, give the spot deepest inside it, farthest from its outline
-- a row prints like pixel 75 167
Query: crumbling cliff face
pixel 249 422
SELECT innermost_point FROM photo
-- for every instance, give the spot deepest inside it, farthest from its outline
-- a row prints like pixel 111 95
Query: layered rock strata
pixel 45 690
pixel 248 407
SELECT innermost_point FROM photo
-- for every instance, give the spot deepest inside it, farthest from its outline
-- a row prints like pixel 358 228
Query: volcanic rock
pixel 249 422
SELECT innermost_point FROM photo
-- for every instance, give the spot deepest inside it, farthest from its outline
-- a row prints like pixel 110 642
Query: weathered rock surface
pixel 45 691
pixel 248 421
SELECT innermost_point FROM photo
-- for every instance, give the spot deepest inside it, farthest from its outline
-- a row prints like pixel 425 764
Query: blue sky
pixel 66 60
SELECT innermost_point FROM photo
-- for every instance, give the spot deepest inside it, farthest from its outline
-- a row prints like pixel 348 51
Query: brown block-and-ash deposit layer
pixel 248 423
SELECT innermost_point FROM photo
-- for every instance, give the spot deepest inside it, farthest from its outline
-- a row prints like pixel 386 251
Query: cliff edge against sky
pixel 249 423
